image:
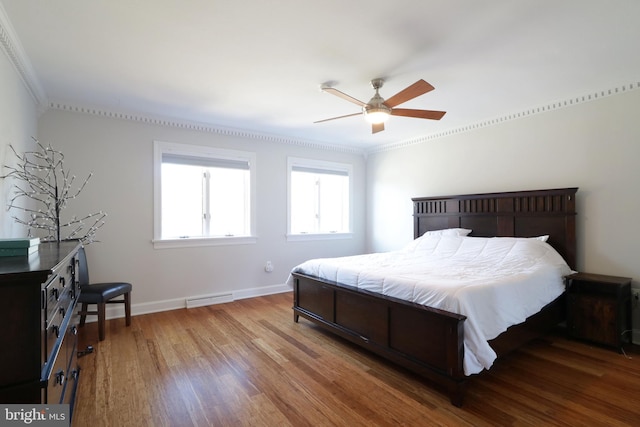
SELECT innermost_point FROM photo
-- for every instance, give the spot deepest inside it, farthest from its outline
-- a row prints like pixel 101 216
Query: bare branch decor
pixel 41 178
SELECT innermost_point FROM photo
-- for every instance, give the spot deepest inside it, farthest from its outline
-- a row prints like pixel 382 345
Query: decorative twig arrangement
pixel 42 178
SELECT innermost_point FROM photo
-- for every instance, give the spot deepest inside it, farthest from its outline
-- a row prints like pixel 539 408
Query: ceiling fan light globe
pixel 376 115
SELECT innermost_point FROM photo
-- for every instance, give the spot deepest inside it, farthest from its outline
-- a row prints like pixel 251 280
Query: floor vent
pixel 201 301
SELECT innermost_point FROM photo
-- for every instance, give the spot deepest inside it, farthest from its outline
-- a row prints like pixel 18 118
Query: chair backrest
pixel 83 268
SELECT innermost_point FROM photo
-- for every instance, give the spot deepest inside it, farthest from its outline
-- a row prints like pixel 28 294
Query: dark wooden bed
pixel 426 340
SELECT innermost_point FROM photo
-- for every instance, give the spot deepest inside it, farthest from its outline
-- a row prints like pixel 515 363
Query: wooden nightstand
pixel 599 308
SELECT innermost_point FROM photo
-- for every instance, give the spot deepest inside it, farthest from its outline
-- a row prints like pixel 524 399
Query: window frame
pixel 321 165
pixel 162 147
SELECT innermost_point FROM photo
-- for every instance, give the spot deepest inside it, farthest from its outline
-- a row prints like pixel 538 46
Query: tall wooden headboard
pixel 509 214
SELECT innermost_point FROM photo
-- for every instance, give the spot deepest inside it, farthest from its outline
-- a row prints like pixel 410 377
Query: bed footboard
pixel 432 346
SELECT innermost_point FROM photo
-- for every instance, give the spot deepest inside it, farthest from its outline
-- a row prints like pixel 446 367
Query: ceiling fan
pixel 377 110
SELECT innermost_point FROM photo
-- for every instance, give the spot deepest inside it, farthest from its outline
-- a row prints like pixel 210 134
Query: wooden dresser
pixel 38 295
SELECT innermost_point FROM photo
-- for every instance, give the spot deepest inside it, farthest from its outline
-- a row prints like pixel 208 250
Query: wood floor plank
pixel 247 363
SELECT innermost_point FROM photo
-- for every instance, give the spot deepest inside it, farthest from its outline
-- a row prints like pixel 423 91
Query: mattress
pixel 496 282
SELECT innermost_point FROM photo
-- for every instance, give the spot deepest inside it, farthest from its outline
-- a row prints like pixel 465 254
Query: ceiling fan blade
pixel 419 114
pixel 343 95
pixel 339 117
pixel 418 88
pixel 377 127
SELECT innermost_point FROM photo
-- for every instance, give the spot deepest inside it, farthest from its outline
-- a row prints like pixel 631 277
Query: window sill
pixel 318 236
pixel 204 241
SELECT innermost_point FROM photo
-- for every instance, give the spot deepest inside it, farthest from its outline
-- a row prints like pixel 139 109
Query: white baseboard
pixel 259 292
pixel 117 310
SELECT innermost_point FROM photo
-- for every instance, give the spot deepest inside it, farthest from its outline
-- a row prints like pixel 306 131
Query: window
pixel 319 199
pixel 203 195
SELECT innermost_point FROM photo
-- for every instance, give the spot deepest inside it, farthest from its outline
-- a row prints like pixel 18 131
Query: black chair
pixel 100 294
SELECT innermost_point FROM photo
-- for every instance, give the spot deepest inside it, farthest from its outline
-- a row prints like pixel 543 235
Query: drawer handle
pixel 62 311
pixel 60 377
pixel 63 282
pixel 86 351
pixel 55 293
pixel 56 329
pixel 74 330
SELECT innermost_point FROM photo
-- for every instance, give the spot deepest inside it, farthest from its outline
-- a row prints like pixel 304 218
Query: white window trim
pixel 160 147
pixel 319 164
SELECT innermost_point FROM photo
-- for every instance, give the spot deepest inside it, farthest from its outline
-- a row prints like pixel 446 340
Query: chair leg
pixel 83 315
pixel 127 308
pixel 101 320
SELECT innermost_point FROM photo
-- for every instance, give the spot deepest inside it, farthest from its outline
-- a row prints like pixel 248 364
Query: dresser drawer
pixel 62 339
pixel 53 335
pixel 73 370
pixel 62 381
pixel 57 376
pixel 59 286
pixel 55 328
pixel 52 293
pixel 53 320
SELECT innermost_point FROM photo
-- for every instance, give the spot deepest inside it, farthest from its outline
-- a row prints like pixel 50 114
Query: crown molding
pixel 200 127
pixel 13 49
pixel 242 133
pixel 519 115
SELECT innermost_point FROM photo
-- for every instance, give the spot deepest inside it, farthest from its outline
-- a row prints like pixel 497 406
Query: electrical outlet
pixel 268 267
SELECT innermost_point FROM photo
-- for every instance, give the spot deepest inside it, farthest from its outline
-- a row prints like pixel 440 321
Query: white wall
pixel 594 146
pixel 18 118
pixel 119 153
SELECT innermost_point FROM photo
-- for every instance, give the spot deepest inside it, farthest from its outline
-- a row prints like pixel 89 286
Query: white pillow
pixel 542 238
pixel 454 232
pixel 448 232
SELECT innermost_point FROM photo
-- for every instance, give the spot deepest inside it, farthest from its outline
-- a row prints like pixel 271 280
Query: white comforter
pixel 496 282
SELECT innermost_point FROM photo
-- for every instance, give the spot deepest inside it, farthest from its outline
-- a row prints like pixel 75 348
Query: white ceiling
pixel 257 65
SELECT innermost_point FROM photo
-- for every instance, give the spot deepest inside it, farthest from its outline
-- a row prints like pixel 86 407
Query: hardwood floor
pixel 247 363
